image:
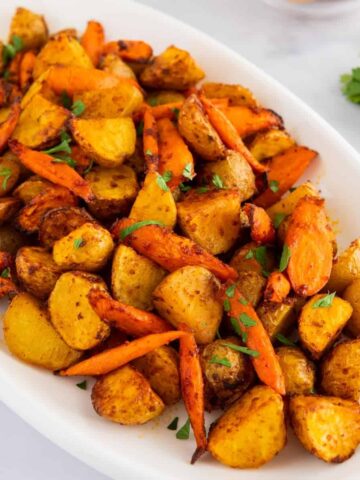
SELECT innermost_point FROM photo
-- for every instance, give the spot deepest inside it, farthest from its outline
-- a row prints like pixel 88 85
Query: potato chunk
pixel 237 94
pixel 327 427
pixel 112 63
pixel 27 190
pixel 352 295
pixel 270 143
pixel 319 327
pixel 287 204
pixel 11 240
pixel 299 371
pixel 30 27
pixel 11 168
pixel 251 432
pixel 277 317
pixel 346 268
pixel 8 208
pixel 30 336
pixel 189 296
pixel 125 396
pixel 71 313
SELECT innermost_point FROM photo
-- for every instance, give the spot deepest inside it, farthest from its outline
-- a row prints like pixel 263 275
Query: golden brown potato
pixel 30 27
pixel 346 268
pixel 189 296
pixel 172 69
pixel 251 432
pixel 39 86
pixel 277 317
pixel 252 286
pixel 162 97
pixel 134 278
pixel 71 313
pixel 252 258
pixel 195 127
pixel 37 271
pixel 86 248
pixel 30 336
pixel 9 175
pixel 352 295
pixel 287 204
pixel 154 203
pixel 27 190
pixel 161 369
pixel 10 239
pixel 108 140
pixel 340 371
pixel 8 208
pixel 270 143
pixel 319 327
pixel 112 63
pixel 114 190
pixel 299 371
pixel 40 122
pixel 237 94
pixel 327 427
pixel 71 32
pixel 125 396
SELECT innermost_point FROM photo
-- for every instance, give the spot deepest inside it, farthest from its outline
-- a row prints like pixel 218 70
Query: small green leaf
pixel 89 168
pixel 279 217
pixel 5 273
pixel 230 291
pixel 161 183
pixel 167 176
pixel 17 42
pixel 63 146
pixel 176 112
pixel 220 361
pixel 284 340
pixel 235 324
pixel 202 189
pixel 78 243
pixel 65 159
pixel 140 128
pixel 135 226
pixel 227 305
pixel 188 171
pixel 6 173
pixel 78 107
pixel 65 100
pixel 274 185
pixel 260 254
pixel 217 181
pixel 249 255
pixel 244 336
pixel 184 188
pixel 243 301
pixel 173 425
pixel 324 302
pixel 285 257
pixel 246 350
pixel 153 101
pixel 82 385
pixel 184 432
pixel 246 320
pixel 148 152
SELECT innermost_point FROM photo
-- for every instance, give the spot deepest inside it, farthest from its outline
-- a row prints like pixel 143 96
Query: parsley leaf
pixel 82 385
pixel 282 339
pixel 217 181
pixel 176 112
pixel 153 101
pixel 243 301
pixel 260 254
pixel 65 159
pixel 202 189
pixel 9 51
pixel 135 226
pixel 5 273
pixel 246 350
pixel 173 425
pixel 235 325
pixel 140 128
pixel 246 320
pixel 162 183
pixel 148 152
pixel 79 242
pixel 65 100
pixel 279 217
pixel 351 85
pixel 188 171
pixel 230 291
pixel 184 432
pixel 78 107
pixel 285 257
pixel 63 146
pixel 6 173
pixel 184 188
pixel 220 361
pixel 324 302
pixel 227 305
pixel 274 185
pixel 249 255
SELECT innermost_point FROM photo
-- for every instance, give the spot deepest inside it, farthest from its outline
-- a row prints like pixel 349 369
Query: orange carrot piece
pixel 168 110
pixel 266 364
pixel 127 318
pixel 174 153
pixel 284 170
pixel 5 90
pixel 7 287
pixel 93 41
pixel 116 357
pixel 310 248
pixel 83 162
pixel 169 250
pixel 130 50
pixel 58 173
pixel 7 127
pixel 26 69
pixel 262 230
pixel 248 120
pixel 277 288
pixel 150 142
pixel 14 68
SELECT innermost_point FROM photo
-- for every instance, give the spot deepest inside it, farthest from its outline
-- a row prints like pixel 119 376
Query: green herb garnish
pixel 220 361
pixel 78 107
pixel 65 100
pixel 246 320
pixel 235 325
pixel 6 173
pixel 140 128
pixel 184 432
pixel 279 217
pixel 227 305
pixel 274 185
pixel 89 168
pixel 282 339
pixel 135 226
pixel 202 189
pixel 243 301
pixel 63 146
pixel 249 255
pixel 173 425
pixel 161 180
pixel 188 171
pixel 148 152
pixel 65 159
pixel 176 112
pixel 217 181
pixel 184 188
pixel 246 350
pixel 285 257
pixel 82 385
pixel 230 291
pixel 351 85
pixel 153 102
pixel 9 51
pixel 5 273
pixel 78 243
pixel 324 302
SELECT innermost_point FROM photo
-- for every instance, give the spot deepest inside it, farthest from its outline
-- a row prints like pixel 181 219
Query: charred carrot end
pixel 93 41
pixel 130 320
pixel 26 69
pixel 7 127
pixel 262 230
pixel 114 358
pixel 309 247
pixel 249 120
pixel 277 288
pixel 7 287
pixel 150 142
pixel 77 79
pixel 130 50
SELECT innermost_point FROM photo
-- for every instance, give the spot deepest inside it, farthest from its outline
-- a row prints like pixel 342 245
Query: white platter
pixel 62 412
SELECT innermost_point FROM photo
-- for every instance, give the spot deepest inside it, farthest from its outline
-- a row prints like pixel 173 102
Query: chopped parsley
pixel 202 189
pixel 351 85
pixel 220 361
pixel 78 107
pixel 230 291
pixel 284 340
pixel 239 348
pixel 176 112
pixel 10 50
pixel 235 325
pixel 6 173
pixel 217 181
pixel 279 217
pixel 188 171
pixel 63 146
pixel 184 188
pixel 173 425
pixel 274 185
pixel 140 128
pixel 162 180
pixel 5 273
pixel 324 302
pixel 243 301
pixel 66 100
pixel 285 257
pixel 148 152
pixel 246 320
pixel 184 432
pixel 82 385
pixel 135 226
pixel 78 243
pixel 227 305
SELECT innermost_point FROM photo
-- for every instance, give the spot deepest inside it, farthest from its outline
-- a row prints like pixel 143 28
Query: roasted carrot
pixel 5 90
pixel 169 250
pixel 116 357
pixel 58 173
pixel 169 110
pixel 130 50
pixel 175 157
pixel 7 287
pixel 130 320
pixel 93 41
pixel 26 69
pixel 262 230
pixel 284 170
pixel 248 120
pixel 14 68
pixel 308 247
pixel 277 288
pixel 255 337
pixel 6 261
pixel 229 135
pixel 150 142
pixel 7 127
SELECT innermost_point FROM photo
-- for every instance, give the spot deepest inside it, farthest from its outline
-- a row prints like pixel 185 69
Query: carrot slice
pixel 26 69
pixel 248 120
pixel 256 338
pixel 169 250
pixel 130 50
pixel 150 141
pixel 130 320
pixel 93 41
pixel 7 287
pixel 277 288
pixel 7 127
pixel 114 358
pixel 58 173
pixel 309 245
pixel 262 230
pixel 174 153
pixel 284 170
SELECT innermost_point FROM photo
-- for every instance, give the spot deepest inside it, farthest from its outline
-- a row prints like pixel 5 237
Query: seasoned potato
pixel 71 313
pixel 270 143
pixel 237 94
pixel 108 140
pixel 134 278
pixel 8 208
pixel 40 86
pixel 9 175
pixel 86 248
pixel 251 432
pixel 327 427
pixel 114 190
pixel 234 171
pixel 352 295
pixel 197 130
pixel 277 317
pixel 10 239
pixel 340 371
pixel 125 396
pixel 161 369
pixel 252 286
pixel 40 122
pixel 112 63
pixel 64 50
pixel 319 327
pixel 153 202
pixel 346 268
pixel 189 296
pixel 299 371
pixel 30 27
pixel 37 271
pixel 27 190
pixel 162 97
pixel 30 336
pixel 287 204
pixel 172 69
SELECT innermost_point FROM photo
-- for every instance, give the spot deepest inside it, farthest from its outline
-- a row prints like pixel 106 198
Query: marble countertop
pixel 308 56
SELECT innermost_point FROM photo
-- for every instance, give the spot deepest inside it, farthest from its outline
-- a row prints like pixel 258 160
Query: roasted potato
pixel 108 140
pixel 202 217
pixel 320 326
pixel 189 296
pixel 86 248
pixel 8 208
pixel 37 271
pixel 251 432
pixel 237 94
pixel 346 268
pixel 299 371
pixel 30 27
pixel 162 97
pixel 10 239
pixel 252 258
pixel 125 396
pixel 287 204
pixel 352 295
pixel 197 130
pixel 9 175
pixel 270 143
pixel 27 190
pixel 327 427
pixel 39 86
pixel 30 336
pixel 252 286
pixel 134 278
pixel 340 371
pixel 112 63
pixel 172 69
pixel 71 313
pixel 161 368
pixel 277 317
